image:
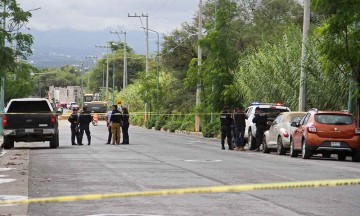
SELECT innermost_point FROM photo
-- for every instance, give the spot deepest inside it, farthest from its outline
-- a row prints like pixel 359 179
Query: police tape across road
pixel 198 190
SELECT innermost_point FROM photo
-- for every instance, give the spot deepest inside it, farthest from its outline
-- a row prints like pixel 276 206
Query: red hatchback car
pixel 326 132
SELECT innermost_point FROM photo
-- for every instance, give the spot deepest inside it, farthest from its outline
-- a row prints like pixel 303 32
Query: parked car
pixel 326 132
pixel 62 105
pixel 30 120
pixel 70 104
pixel 278 136
pixel 271 109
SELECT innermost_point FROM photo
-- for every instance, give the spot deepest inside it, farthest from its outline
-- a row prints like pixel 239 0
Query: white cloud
pixel 97 15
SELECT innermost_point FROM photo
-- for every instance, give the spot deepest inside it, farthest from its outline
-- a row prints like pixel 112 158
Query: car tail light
pixel 312 129
pixel 52 120
pixel 5 121
pixel 285 134
pixel 357 131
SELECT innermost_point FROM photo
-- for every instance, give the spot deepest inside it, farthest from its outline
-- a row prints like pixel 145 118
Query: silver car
pixel 278 136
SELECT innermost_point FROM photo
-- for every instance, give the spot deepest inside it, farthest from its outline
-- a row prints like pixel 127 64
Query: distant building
pixel 65 94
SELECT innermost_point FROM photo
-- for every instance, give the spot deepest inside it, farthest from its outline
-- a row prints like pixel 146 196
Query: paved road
pixel 158 160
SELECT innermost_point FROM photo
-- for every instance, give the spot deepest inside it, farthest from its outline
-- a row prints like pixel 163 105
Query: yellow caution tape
pixel 198 190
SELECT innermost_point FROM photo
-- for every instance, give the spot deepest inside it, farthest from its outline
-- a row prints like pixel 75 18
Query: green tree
pixel 13 18
pixel 340 45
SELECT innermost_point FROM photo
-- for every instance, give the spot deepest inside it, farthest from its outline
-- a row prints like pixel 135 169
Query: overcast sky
pixel 97 15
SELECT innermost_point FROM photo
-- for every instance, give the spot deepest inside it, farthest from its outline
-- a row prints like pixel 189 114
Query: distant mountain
pixel 69 47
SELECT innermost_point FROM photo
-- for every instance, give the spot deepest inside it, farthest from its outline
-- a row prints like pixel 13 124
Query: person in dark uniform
pixel 239 123
pixel 116 121
pixel 260 120
pixel 85 119
pixel 225 122
pixel 73 119
pixel 125 126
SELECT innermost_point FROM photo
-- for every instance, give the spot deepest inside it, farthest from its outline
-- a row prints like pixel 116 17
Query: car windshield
pixel 331 119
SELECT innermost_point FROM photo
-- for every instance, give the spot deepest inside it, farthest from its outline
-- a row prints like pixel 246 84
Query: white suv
pixel 271 109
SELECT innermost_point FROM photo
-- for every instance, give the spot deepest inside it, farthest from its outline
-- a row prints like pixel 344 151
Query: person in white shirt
pixel 108 124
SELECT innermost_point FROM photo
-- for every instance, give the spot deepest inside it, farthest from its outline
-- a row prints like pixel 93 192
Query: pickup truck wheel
pixel 54 143
pixel 293 152
pixel 8 143
pixel 306 151
pixel 251 141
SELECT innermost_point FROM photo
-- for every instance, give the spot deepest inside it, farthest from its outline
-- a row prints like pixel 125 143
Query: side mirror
pixel 59 113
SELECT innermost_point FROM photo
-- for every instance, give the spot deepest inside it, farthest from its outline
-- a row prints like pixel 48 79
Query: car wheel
pixel 326 154
pixel 306 151
pixel 341 156
pixel 8 143
pixel 54 143
pixel 251 141
pixel 265 148
pixel 280 148
pixel 293 152
pixel 356 156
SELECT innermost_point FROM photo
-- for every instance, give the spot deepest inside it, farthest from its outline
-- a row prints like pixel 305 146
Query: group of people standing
pixel 80 123
pixel 235 123
pixel 117 121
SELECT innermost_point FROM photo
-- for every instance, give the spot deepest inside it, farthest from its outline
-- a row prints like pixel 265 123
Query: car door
pixel 274 130
pixel 298 132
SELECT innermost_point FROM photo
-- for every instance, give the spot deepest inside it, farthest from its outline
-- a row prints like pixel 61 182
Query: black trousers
pixel 125 131
pixel 259 136
pixel 110 135
pixel 226 134
pixel 74 135
pixel 86 129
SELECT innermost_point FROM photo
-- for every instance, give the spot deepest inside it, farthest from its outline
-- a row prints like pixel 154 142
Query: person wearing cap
pixel 85 119
pixel 225 122
pixel 260 121
pixel 73 119
pixel 116 122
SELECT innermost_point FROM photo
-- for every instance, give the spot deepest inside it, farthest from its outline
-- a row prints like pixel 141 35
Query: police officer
pixel 73 119
pixel 239 123
pixel 225 122
pixel 116 122
pixel 260 120
pixel 85 119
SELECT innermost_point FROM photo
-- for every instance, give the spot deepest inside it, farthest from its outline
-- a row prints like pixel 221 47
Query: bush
pixel 173 125
pixel 150 123
pixel 160 123
pixel 137 120
pixel 210 129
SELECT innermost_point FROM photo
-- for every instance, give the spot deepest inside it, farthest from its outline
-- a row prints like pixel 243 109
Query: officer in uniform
pixel 260 120
pixel 240 125
pixel 85 119
pixel 226 121
pixel 73 119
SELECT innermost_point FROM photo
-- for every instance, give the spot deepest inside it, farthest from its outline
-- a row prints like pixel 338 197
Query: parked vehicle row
pixel 314 132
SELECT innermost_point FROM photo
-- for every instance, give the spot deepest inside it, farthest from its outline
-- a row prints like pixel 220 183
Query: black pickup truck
pixel 30 120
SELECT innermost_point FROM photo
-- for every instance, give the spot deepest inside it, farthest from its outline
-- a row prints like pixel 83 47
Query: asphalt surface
pixel 157 160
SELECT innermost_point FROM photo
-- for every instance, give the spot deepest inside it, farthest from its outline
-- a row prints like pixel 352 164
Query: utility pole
pixel 2 79
pixel 157 73
pixel 198 88
pixel 107 69
pixel 125 75
pixel 147 55
pixel 306 24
